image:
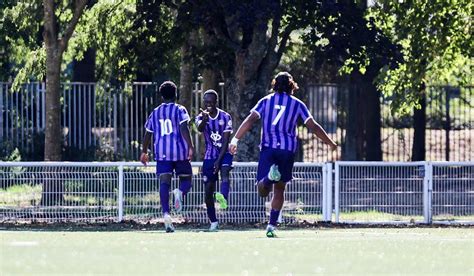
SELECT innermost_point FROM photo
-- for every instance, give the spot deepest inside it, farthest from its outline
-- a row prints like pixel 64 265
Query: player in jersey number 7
pixel 279 112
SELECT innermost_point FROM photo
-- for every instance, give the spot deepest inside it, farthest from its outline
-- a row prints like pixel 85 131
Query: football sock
pixel 165 197
pixel 274 216
pixel 225 188
pixel 211 212
pixel 185 186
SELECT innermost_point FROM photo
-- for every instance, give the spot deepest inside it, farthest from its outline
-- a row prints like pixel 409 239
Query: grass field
pixel 448 251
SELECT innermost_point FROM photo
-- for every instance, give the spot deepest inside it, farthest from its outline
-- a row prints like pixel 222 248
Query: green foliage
pixel 20 33
pixel 133 40
pixel 436 44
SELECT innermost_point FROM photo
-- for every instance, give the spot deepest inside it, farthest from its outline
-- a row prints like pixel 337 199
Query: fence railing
pixel 362 192
pixel 106 123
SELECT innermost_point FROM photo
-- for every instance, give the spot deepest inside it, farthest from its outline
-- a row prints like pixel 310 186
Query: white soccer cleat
pixel 168 223
pixel 214 227
pixel 178 200
pixel 274 174
pixel 271 231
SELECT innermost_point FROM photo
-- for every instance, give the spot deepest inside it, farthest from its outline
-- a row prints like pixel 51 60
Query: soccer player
pixel 279 112
pixel 216 126
pixel 168 123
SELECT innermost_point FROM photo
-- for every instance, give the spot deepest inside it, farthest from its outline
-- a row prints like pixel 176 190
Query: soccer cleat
pixel 271 231
pixel 168 224
pixel 221 200
pixel 214 227
pixel 274 174
pixel 178 200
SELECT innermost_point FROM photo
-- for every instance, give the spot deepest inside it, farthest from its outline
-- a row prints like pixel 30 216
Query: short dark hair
pixel 283 82
pixel 212 92
pixel 168 90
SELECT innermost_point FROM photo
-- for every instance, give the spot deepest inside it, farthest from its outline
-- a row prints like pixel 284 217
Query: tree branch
pixel 78 10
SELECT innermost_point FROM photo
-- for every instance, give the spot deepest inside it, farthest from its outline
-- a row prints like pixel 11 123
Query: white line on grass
pixel 23 243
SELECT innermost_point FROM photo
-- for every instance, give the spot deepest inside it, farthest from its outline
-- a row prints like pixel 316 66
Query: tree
pixel 435 38
pixel 342 37
pixel 56 37
pixel 250 37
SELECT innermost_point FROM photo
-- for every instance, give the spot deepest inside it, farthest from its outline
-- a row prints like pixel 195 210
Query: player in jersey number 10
pixel 168 124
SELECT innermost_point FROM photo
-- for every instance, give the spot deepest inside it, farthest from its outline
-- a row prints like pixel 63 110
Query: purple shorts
pixel 208 167
pixel 179 167
pixel 283 158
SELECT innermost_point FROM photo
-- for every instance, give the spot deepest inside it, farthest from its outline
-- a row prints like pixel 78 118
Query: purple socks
pixel 225 188
pixel 274 217
pixel 165 197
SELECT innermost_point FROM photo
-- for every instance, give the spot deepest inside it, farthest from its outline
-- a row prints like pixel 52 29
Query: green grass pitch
pixel 361 251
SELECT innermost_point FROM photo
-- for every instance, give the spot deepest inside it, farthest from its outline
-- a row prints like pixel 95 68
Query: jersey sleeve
pixel 304 113
pixel 228 125
pixel 258 108
pixel 198 120
pixel 149 124
pixel 183 115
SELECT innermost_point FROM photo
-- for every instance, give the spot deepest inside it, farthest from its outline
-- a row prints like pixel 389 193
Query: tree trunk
pixel 373 142
pixel 186 74
pixel 55 47
pixel 419 125
pixel 245 98
pixel 349 151
pixel 209 80
pixel 53 133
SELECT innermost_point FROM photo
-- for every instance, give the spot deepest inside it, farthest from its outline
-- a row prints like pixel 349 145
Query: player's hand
pixel 144 158
pixel 190 153
pixel 204 114
pixel 232 149
pixel 333 146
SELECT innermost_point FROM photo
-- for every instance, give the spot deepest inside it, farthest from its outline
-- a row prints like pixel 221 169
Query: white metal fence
pixel 88 191
pixel 364 192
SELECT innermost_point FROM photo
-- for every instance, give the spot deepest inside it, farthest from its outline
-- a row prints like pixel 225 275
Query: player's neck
pixel 213 113
pixel 168 101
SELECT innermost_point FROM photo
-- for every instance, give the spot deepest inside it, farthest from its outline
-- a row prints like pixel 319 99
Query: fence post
pixel 427 192
pixel 120 195
pixel 430 192
pixel 328 192
pixel 324 192
pixel 336 191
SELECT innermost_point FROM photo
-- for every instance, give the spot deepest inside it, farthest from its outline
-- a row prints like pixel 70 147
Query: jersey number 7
pixel 280 113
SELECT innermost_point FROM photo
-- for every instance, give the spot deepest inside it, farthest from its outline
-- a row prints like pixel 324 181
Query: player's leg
pixel 210 179
pixel 266 166
pixel 285 161
pixel 184 171
pixel 223 196
pixel 226 167
pixel 164 171
pixel 277 204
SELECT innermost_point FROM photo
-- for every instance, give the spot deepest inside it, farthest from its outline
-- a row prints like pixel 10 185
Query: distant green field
pixel 448 251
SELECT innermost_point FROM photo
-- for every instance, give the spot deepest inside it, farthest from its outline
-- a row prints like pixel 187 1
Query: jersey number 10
pixel 166 127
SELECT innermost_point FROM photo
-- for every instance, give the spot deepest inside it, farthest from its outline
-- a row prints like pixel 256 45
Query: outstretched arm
pixel 187 137
pixel 244 128
pixel 318 130
pixel 146 143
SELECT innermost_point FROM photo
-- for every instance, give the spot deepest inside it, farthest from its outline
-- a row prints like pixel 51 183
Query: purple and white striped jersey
pixel 164 123
pixel 280 113
pixel 214 132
